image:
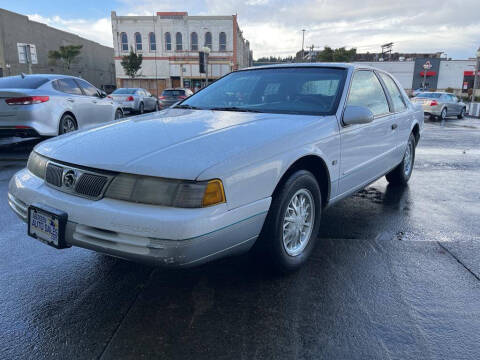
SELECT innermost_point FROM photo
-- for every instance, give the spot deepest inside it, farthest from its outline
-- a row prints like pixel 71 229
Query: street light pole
pixel 303 43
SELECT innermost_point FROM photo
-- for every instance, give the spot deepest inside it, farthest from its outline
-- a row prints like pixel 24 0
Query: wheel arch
pixel 416 133
pixel 317 166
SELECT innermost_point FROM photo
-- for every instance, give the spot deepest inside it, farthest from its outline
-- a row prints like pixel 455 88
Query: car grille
pixel 54 175
pixel 90 185
pixel 86 184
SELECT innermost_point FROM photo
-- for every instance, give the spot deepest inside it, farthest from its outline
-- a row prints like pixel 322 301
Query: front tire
pixel 401 174
pixel 293 221
pixel 462 113
pixel 141 108
pixel 67 124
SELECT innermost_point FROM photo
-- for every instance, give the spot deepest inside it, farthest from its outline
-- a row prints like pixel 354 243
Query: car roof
pixel 175 89
pixel 317 64
pixel 51 76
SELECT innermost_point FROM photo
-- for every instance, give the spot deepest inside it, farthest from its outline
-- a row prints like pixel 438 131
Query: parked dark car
pixel 172 96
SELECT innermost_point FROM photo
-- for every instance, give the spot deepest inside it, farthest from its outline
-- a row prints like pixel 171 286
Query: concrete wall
pixel 451 73
pixel 95 62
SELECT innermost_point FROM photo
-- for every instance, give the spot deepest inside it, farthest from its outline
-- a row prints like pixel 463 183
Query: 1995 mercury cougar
pixel 250 161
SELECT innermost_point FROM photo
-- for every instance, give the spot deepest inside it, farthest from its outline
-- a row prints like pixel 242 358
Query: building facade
pixel 18 33
pixel 443 74
pixel 170 42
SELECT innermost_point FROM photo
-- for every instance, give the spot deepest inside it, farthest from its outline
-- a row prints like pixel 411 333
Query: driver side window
pixel 367 91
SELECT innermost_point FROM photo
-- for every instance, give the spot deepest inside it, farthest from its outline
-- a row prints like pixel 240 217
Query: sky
pixel 274 27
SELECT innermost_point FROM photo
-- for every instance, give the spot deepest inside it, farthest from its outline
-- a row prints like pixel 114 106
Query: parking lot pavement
pixel 395 275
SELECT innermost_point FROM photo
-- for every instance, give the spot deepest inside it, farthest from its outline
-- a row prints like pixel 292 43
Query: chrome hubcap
pixel 408 158
pixel 298 222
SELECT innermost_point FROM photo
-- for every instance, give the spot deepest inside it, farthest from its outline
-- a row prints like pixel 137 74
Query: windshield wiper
pixel 185 106
pixel 234 108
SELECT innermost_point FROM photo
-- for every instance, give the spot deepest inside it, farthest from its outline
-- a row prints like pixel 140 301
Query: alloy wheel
pixel 298 222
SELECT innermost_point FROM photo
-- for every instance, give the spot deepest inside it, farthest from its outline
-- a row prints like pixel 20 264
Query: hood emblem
pixel 69 179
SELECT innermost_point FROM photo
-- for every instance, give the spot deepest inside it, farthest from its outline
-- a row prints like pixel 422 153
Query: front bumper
pixel 151 234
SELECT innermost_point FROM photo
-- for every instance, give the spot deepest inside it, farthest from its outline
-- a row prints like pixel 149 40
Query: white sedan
pixel 250 161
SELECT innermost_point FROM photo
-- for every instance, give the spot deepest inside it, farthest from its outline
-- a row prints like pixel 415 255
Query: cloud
pixel 273 27
pixel 99 30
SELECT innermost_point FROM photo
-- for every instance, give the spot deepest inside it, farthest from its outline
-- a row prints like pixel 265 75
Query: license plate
pixel 47 225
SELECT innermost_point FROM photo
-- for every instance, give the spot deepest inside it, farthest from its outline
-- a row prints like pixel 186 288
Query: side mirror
pixel 102 94
pixel 357 115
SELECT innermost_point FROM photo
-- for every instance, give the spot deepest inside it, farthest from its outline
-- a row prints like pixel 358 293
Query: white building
pixel 169 43
pixel 454 74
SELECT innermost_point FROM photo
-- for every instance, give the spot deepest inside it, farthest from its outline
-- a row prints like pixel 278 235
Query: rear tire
pixel 118 114
pixel 401 174
pixel 291 228
pixel 462 113
pixel 67 124
pixel 443 114
pixel 141 108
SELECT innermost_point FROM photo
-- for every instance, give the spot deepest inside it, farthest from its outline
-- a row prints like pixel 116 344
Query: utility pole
pixel 475 75
pixel 303 43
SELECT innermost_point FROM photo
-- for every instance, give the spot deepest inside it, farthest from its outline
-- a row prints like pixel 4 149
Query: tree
pixel 336 55
pixel 131 63
pixel 67 54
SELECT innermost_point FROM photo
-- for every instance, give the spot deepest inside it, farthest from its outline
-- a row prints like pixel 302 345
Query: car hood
pixel 174 143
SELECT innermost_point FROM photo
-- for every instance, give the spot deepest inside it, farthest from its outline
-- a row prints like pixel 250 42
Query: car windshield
pixel 27 82
pixel 290 90
pixel 173 92
pixel 124 91
pixel 429 95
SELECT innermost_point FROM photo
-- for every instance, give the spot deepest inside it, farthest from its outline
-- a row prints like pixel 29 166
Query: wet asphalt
pixel 395 275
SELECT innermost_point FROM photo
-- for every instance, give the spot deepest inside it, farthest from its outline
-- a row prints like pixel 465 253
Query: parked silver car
pixel 174 95
pixel 49 105
pixel 135 100
pixel 440 104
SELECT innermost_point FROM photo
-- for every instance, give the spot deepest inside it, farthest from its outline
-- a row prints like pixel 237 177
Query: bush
pixel 449 90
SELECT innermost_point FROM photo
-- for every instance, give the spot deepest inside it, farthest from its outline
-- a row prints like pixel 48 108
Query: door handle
pixel 394 126
pixel 70 100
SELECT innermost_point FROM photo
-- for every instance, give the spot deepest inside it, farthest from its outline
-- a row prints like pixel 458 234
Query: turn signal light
pixel 433 103
pixel 214 193
pixel 27 100
pixel 130 98
pixel 161 97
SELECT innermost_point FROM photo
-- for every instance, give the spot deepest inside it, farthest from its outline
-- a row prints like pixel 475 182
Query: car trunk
pixel 9 111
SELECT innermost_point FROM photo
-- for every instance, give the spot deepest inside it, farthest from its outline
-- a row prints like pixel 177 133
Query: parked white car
pixel 49 105
pixel 253 159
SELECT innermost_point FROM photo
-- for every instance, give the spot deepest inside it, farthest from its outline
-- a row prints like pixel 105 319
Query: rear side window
pixel 124 91
pixel 88 88
pixel 173 92
pixel 395 94
pixel 68 86
pixel 17 82
pixel 366 90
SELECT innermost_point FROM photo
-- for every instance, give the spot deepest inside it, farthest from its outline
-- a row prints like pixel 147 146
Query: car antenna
pixel 23 75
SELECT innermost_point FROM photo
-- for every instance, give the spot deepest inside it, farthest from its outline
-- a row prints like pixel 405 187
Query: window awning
pixel 429 73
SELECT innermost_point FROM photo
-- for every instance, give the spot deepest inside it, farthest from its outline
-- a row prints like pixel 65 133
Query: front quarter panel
pixel 253 174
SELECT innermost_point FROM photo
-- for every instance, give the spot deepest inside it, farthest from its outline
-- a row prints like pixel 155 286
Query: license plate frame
pixel 56 218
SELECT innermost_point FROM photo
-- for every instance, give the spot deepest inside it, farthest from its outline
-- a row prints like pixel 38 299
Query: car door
pixel 366 148
pixel 456 106
pixel 152 102
pixel 100 109
pixel 74 100
pixel 403 116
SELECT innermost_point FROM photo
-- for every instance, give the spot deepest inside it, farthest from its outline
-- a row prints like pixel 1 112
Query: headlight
pixel 37 164
pixel 166 192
